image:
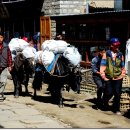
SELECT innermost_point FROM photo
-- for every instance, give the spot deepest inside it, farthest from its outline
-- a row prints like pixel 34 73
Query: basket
pixel 87 83
pixel 125 96
pixel 126 81
pixel 124 106
pixel 125 101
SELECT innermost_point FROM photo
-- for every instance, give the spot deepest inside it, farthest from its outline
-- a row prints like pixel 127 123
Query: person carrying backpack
pixel 112 71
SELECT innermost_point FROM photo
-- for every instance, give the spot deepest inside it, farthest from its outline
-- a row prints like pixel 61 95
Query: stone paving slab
pixel 16 115
pixel 12 124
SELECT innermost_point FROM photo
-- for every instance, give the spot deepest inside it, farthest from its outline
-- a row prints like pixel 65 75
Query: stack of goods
pixel 19 45
pixel 52 48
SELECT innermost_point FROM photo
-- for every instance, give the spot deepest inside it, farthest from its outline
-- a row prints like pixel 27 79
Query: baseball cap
pixel 115 41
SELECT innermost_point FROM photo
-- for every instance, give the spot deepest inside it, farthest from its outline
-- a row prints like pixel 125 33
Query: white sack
pixel 56 46
pixel 47 57
pixel 29 52
pixel 48 45
pixel 23 44
pixel 72 54
pixel 38 56
pixel 16 44
pixel 61 46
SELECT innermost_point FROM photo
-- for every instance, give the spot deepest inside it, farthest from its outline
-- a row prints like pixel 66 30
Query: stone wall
pixel 63 7
pixel 53 29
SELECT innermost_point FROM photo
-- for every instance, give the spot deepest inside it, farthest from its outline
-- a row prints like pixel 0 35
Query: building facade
pixel 92 23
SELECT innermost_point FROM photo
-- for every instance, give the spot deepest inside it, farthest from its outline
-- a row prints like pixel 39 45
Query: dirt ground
pixel 77 111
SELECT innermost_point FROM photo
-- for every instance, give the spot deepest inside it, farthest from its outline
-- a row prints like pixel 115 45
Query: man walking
pixel 5 61
pixel 112 71
pixel 97 77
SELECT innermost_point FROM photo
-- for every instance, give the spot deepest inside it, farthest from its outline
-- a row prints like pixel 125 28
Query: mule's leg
pixel 26 83
pixel 37 82
pixel 61 104
pixel 17 89
pixel 58 94
pixel 16 84
pixel 34 87
pixel 35 92
pixel 53 92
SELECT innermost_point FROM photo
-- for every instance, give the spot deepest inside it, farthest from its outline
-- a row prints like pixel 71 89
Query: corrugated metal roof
pixel 93 13
pixel 10 1
pixel 115 11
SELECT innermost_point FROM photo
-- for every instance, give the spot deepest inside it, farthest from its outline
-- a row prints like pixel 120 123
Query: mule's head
pixel 29 65
pixel 75 78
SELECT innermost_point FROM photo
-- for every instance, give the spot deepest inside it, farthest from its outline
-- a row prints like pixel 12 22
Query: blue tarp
pixel 49 67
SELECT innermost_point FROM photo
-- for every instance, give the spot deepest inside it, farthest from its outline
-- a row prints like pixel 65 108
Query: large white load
pixel 72 54
pixel 56 46
pixel 29 52
pixel 17 44
pixel 47 57
pixel 38 57
pixel 52 47
pixel 14 44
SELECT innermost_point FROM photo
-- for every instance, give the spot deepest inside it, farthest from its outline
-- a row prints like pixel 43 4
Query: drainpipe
pixel 118 4
pixel 87 6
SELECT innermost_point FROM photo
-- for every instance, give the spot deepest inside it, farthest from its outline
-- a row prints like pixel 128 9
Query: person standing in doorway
pixel 5 62
pixel 97 77
pixel 59 37
pixel 112 71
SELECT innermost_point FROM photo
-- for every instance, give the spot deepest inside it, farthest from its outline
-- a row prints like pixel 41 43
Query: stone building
pixel 76 7
pixel 25 17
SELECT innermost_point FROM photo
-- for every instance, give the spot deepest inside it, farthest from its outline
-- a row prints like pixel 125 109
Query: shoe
pixel 118 113
pixel 78 92
pixel 105 108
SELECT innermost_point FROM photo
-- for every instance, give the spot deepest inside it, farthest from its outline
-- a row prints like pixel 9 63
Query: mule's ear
pixel 21 56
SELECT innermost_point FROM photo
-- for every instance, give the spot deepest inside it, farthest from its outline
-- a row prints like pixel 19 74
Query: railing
pixel 10 1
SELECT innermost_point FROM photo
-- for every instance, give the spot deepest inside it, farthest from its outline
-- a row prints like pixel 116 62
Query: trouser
pixel 3 80
pixel 100 88
pixel 113 87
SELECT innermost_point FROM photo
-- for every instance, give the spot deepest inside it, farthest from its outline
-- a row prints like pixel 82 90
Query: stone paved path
pixel 16 115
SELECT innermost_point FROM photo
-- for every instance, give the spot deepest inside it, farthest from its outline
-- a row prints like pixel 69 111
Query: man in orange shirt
pixel 112 70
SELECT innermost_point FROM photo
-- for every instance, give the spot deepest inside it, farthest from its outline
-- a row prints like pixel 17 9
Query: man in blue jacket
pixel 96 75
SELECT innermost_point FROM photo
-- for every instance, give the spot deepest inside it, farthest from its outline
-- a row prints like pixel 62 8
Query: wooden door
pixel 45 28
